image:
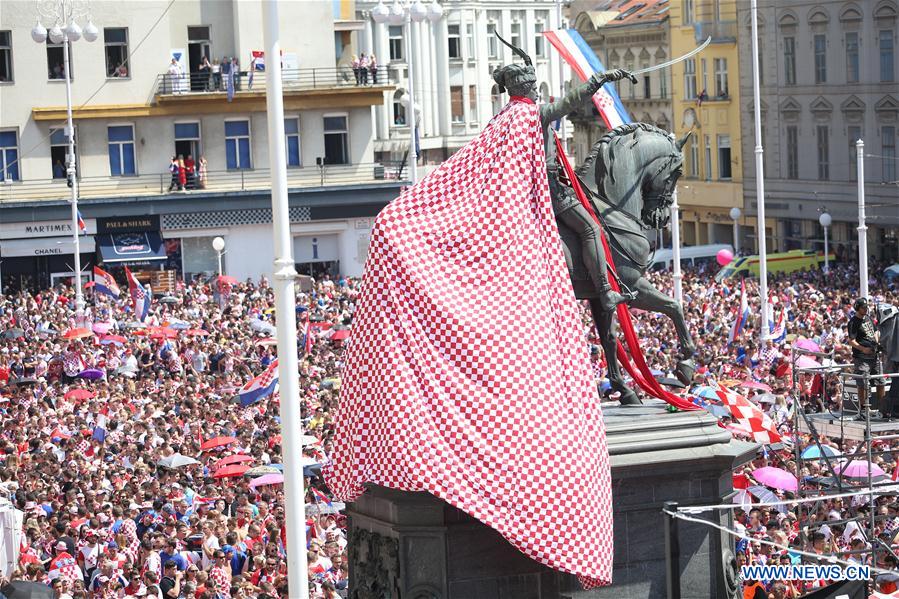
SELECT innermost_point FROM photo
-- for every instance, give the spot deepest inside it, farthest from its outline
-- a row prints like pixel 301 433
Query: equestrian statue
pixel 629 176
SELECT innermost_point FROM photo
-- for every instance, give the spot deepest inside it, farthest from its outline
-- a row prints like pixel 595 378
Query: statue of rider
pixel 521 80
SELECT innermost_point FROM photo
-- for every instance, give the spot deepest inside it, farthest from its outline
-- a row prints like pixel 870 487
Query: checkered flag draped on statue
pixel 468 375
pixel 762 427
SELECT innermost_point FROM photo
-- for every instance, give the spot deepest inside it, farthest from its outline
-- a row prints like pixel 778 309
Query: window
pixel 496 99
pixel 790 60
pixel 855 134
pixel 688 12
pixel 820 59
pixel 116 41
pixel 631 88
pixel 705 81
pixel 336 142
pixel 792 152
pixel 456 103
pixel 539 40
pixel 121 150
pixel 473 103
pixel 708 158
pixel 454 42
pixel 469 41
pixel 663 83
pixel 888 150
pixel 56 61
pixel 823 153
pixel 721 78
pixel 59 151
pixel 395 35
pixel 724 171
pixel 5 56
pixel 237 145
pixel 690 79
pixel 492 48
pixel 851 57
pixel 886 55
pixel 515 38
pixel 187 139
pixel 694 157
pixel 292 141
pixel 647 85
pixel 9 156
pixel 399 110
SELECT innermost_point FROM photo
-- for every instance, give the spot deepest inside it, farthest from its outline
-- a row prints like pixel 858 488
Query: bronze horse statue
pixel 629 176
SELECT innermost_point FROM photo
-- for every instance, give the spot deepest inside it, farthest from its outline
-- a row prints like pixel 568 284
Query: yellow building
pixel 706 92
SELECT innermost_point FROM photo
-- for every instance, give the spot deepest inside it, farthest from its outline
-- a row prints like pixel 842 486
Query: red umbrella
pixel 79 394
pixel 89 284
pixel 117 339
pixel 58 434
pixel 340 334
pixel 77 333
pixel 196 333
pixel 233 459
pixel 162 333
pixel 217 442
pixel 225 279
pixel 231 471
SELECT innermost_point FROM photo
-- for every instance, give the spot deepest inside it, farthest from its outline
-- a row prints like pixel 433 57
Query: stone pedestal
pixel 414 546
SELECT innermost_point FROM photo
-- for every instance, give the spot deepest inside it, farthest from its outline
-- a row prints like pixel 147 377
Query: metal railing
pixel 205 82
pixel 216 182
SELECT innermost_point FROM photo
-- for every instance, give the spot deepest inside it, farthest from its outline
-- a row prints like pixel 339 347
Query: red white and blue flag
pixel 81 226
pixel 260 386
pixel 741 317
pixel 105 283
pixel 140 299
pixel 583 61
pixel 321 497
pixel 779 330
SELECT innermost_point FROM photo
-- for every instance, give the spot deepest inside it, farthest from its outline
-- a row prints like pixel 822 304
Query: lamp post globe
pixel 418 11
pixel 825 219
pixel 735 213
pixel 73 32
pixel 39 33
pixel 397 15
pixel 435 12
pixel 56 34
pixel 218 244
pixel 380 13
pixel 91 32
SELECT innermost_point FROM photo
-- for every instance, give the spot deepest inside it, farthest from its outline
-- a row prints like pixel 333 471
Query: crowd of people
pixel 363 66
pixel 187 174
pixel 124 444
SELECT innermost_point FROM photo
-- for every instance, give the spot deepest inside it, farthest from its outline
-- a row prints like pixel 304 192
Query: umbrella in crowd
pixel 116 339
pixel 767 496
pixel 13 333
pixel 217 442
pixel 177 460
pixel 859 469
pixel 24 589
pixel 776 478
pixel 267 479
pixel 91 374
pixel 77 333
pixel 196 333
pixel 79 394
pixel 261 470
pixel 815 452
pixel 168 300
pixel 231 471
pixel 807 344
pixel 807 362
pixel 755 385
pixel 233 459
pixel 101 328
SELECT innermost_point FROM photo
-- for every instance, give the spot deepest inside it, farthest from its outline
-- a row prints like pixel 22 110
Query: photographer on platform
pixel 862 338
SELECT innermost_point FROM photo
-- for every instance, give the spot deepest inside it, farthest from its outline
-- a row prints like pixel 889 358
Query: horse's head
pixel 636 167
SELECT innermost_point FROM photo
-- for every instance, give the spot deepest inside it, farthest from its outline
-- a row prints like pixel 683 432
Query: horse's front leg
pixel 603 320
pixel 651 299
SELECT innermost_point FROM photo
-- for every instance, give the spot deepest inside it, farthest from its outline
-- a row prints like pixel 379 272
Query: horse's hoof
pixel 684 371
pixel 629 398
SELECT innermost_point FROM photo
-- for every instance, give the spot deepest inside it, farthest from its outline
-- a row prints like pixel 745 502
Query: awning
pixel 131 247
pixel 45 246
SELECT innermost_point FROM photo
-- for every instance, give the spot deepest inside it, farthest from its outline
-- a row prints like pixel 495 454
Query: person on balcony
pixel 175 169
pixel 373 69
pixel 235 69
pixel 201 172
pixel 182 173
pixel 206 69
pixel 216 75
pixel 356 66
pixel 190 166
pixel 363 68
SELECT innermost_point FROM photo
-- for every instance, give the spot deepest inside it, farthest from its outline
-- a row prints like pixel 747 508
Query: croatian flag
pixel 321 497
pixel 258 60
pixel 741 317
pixel 139 296
pixel 583 61
pixel 81 226
pixel 779 330
pixel 259 387
pixel 105 283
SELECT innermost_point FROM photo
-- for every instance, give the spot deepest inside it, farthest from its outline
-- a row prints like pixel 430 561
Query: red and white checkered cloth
pixel 759 425
pixel 468 374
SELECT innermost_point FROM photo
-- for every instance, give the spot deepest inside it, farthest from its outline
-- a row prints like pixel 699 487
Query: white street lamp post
pixel 862 228
pixel 675 249
pixel 284 281
pixel 759 177
pixel 218 244
pixel 735 216
pixel 66 11
pixel 404 13
pixel 825 219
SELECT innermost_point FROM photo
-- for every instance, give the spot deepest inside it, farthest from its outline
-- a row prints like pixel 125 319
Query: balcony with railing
pixel 223 182
pixel 721 32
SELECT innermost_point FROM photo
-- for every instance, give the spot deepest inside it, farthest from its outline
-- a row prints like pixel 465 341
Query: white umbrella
pixel 176 460
pixel 320 509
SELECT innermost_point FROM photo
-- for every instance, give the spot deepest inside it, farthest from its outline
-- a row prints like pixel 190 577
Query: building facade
pixel 829 78
pixel 143 93
pixel 706 101
pixel 627 34
pixel 453 57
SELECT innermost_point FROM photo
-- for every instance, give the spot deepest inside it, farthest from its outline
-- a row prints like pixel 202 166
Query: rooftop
pixel 619 13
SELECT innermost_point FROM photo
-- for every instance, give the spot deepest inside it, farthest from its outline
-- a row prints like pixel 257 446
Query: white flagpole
pixel 285 312
pixel 759 177
pixel 862 227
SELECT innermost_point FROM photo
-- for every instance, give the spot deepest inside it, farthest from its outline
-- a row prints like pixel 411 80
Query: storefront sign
pixel 128 224
pixel 46 246
pixel 54 228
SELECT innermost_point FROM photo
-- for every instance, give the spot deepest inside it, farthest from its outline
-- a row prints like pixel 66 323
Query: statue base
pixel 414 546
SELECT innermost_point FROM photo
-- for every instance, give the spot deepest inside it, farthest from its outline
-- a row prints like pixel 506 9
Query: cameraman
pixel 863 341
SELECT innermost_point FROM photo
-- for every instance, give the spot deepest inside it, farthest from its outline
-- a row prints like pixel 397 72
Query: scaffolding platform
pixel 836 425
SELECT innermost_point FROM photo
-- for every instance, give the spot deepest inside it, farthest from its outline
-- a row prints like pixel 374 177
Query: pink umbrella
pixel 807 362
pixel 755 385
pixel 859 469
pixel 807 344
pixel 267 479
pixel 233 459
pixel 776 478
pixel 101 328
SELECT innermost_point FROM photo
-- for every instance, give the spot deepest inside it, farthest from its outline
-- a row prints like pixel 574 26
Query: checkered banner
pixel 468 375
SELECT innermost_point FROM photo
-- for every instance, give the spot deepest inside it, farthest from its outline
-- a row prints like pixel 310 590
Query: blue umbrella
pixel 813 452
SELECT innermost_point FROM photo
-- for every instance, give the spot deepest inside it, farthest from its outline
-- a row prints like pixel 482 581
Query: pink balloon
pixel 724 257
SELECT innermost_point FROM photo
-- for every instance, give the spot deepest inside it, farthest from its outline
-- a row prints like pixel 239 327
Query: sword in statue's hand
pixel 689 54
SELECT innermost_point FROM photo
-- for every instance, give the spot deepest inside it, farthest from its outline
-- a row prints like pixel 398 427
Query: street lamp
pixel 825 219
pixel 404 13
pixel 66 11
pixel 735 216
pixel 218 244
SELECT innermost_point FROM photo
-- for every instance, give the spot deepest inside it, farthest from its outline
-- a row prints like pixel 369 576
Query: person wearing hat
pixel 862 338
pixel 521 82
